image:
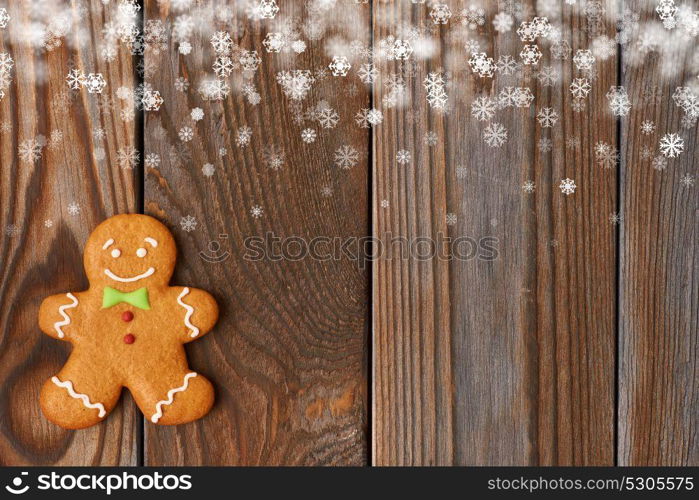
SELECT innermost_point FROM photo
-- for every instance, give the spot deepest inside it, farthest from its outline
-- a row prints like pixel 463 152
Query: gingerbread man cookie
pixel 127 330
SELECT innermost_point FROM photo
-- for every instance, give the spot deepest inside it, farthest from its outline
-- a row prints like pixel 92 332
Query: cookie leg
pixel 74 399
pixel 177 398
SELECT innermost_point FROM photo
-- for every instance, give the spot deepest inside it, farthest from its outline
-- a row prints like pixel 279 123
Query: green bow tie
pixel 138 298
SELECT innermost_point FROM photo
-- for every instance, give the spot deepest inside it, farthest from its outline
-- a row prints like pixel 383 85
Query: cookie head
pixel 128 252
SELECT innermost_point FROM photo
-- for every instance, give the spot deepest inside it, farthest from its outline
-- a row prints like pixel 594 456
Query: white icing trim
pixel 151 241
pixel 58 325
pixel 107 243
pixel 150 271
pixel 170 398
pixel 68 385
pixel 188 314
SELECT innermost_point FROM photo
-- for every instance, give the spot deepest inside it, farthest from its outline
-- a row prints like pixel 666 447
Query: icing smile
pixel 113 276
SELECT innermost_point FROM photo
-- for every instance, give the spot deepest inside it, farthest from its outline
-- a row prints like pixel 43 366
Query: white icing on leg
pixel 58 325
pixel 190 310
pixel 68 385
pixel 170 398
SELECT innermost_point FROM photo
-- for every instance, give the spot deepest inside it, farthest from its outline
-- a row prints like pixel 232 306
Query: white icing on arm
pixel 58 325
pixel 170 398
pixel 190 310
pixel 68 385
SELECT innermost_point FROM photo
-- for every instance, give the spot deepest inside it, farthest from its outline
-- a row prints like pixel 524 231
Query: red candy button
pixel 129 339
pixel 126 316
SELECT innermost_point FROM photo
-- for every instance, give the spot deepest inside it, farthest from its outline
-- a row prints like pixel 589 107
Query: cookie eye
pixel 116 253
pixel 141 252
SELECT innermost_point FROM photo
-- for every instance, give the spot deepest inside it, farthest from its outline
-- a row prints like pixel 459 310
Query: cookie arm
pixel 56 315
pixel 199 312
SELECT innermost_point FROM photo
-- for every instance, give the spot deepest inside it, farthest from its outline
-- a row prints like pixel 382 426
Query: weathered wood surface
pixel 507 361
pixel 576 345
pixel 659 309
pixel 289 354
pixel 41 251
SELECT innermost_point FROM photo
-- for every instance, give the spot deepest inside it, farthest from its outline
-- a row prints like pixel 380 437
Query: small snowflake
pixel 659 163
pixel 11 230
pixel 580 87
pixel 208 169
pixel 188 223
pixel 326 191
pixel 403 156
pixel 615 218
pixel 4 18
pixel 256 211
pixel 687 180
pixel 528 187
pixel 340 66
pixel 647 127
pixel 30 150
pixel 502 22
pixel 385 204
pixel 152 100
pixel 243 136
pixel 186 134
pixel 48 223
pixel 440 13
pixel 547 117
pixel 197 114
pixel 671 145
pixel 451 219
pixel 430 138
pixel 483 108
pixel 567 186
pixel 495 135
pixel 128 157
pixel 181 84
pixel 346 157
pixel 308 135
pixel 152 160
pixel 73 208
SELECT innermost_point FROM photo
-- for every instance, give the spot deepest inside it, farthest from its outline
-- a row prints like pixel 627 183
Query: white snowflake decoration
pixel 547 117
pixel 403 157
pixel 671 145
pixel 152 100
pixel 4 18
pixel 339 66
pixel 274 42
pixel 346 157
pixel 567 186
pixel 188 223
pixel 95 83
pixel 530 55
pixel 440 14
pixel 495 135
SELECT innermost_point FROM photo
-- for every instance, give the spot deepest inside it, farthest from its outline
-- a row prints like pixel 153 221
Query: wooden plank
pixel 43 237
pixel 493 362
pixel 659 316
pixel 288 356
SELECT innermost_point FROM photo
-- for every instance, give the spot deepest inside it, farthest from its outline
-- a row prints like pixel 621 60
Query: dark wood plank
pixel 507 361
pixel 659 317
pixel 288 356
pixel 42 240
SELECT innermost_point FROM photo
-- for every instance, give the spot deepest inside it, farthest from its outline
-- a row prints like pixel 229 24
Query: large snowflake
pixel 346 157
pixel 671 145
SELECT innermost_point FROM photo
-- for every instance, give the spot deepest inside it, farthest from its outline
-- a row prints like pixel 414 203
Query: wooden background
pixel 578 345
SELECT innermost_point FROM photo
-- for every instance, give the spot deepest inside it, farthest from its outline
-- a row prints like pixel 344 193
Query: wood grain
pixel 288 356
pixel 659 321
pixel 36 260
pixel 492 362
